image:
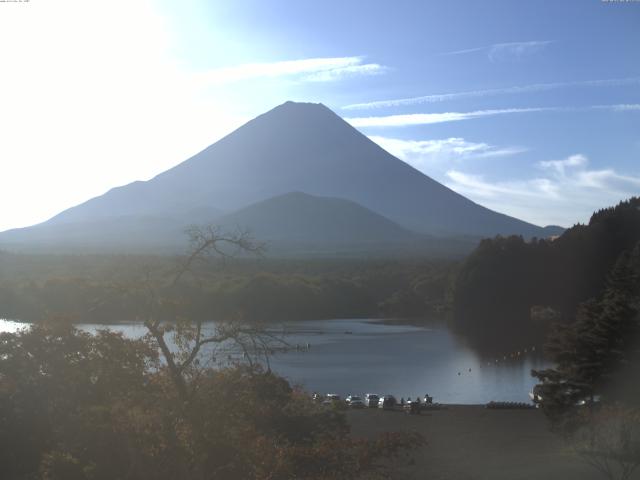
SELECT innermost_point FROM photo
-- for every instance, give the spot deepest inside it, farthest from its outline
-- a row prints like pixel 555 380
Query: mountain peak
pixel 300 147
pixel 299 111
pixel 290 104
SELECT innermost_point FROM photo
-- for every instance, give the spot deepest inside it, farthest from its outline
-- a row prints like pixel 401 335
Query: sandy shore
pixel 471 442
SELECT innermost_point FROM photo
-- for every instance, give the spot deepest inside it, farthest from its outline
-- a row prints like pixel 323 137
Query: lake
pixel 361 356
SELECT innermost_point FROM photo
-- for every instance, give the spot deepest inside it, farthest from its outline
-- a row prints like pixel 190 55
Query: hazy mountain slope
pixel 552 231
pixel 291 225
pixel 307 148
pixel 135 233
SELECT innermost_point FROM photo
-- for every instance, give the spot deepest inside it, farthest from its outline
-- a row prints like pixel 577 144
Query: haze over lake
pixel 360 356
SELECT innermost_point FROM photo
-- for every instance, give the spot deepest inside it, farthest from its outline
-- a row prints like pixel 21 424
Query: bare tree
pixel 190 335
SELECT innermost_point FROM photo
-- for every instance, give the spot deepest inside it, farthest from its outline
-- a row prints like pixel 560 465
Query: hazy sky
pixel 531 108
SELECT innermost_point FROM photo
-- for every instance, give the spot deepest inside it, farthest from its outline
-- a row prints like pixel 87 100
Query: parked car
pixel 387 402
pixel 371 400
pixel 331 398
pixel 354 401
pixel 413 408
pixel 536 394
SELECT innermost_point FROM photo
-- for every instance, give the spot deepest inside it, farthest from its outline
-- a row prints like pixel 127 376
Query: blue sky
pixel 529 108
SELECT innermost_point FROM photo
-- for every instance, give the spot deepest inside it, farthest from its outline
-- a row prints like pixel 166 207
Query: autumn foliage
pixel 80 406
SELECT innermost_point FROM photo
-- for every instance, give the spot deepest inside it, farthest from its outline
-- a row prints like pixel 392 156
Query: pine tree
pixel 597 354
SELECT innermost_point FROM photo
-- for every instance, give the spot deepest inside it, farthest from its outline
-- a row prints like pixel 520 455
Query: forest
pixel 510 291
pixel 112 289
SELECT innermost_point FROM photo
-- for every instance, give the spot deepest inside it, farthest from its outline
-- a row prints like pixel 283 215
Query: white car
pixel 387 402
pixel 354 401
pixel 536 394
pixel 371 400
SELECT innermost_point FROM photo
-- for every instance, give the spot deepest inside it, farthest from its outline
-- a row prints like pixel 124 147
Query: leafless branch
pixel 207 240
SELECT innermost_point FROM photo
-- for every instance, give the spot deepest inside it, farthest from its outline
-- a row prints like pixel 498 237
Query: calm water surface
pixel 360 356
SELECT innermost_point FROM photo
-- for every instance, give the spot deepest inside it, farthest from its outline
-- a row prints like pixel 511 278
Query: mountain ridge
pixel 300 147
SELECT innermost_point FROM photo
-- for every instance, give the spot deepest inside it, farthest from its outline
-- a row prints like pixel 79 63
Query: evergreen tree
pixel 596 356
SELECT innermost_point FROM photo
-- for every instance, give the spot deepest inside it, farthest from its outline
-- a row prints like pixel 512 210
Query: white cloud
pixel 567 192
pixel 429 118
pixel 624 107
pixel 537 87
pixel 609 179
pixel 506 51
pixel 346 72
pixel 409 119
pixel 560 165
pixel 477 186
pixel 322 69
pixel 573 170
pixel 465 51
pixel 426 154
pixel 515 50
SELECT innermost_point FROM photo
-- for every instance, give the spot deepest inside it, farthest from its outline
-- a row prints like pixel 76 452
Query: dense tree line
pixel 107 289
pixel 509 291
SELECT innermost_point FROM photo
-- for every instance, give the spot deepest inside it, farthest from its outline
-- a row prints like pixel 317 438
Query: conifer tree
pixel 596 355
